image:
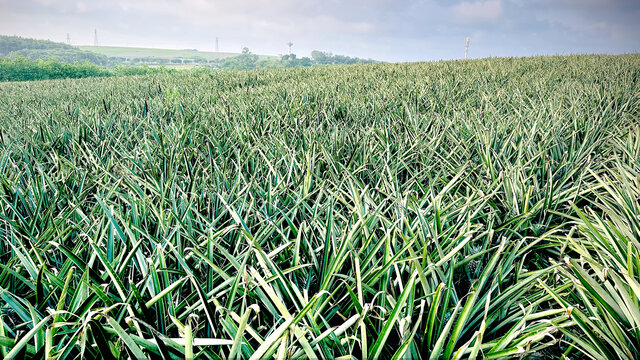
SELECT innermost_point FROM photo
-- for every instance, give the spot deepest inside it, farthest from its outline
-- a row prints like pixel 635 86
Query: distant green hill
pixel 9 44
pixel 167 56
pixel 22 59
pixel 137 52
pixel 15 47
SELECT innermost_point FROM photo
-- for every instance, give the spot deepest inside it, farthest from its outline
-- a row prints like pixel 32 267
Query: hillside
pixel 10 44
pixel 155 54
pixel 15 47
pixel 449 210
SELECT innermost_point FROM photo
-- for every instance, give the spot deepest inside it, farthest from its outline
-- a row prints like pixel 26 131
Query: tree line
pixel 23 69
pixel 248 61
pixel 23 59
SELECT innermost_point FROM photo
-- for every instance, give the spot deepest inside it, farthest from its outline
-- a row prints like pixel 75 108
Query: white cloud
pixel 478 11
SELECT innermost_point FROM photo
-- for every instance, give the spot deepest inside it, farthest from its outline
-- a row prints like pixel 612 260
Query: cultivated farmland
pixel 462 209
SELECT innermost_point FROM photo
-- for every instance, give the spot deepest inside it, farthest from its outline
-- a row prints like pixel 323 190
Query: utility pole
pixel 68 39
pixel 290 44
pixel 466 47
pixel 217 47
pixel 95 37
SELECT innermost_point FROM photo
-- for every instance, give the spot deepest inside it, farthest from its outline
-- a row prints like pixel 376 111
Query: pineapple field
pixel 448 210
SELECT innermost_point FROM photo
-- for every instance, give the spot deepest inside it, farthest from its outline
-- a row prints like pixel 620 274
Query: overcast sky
pixel 390 30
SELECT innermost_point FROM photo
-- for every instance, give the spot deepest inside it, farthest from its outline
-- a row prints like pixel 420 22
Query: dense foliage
pixel 324 58
pixel 249 61
pixel 14 47
pixel 22 69
pixel 9 44
pixel 466 209
pixel 62 55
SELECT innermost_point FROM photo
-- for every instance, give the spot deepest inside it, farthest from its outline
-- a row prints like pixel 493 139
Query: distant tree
pixel 244 61
pixel 320 57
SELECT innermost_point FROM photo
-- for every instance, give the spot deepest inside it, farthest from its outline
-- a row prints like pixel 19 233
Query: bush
pixel 22 69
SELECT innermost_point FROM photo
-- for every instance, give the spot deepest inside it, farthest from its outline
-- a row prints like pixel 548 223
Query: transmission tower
pixel 466 46
pixel 217 45
pixel 95 37
pixel 68 39
pixel 290 44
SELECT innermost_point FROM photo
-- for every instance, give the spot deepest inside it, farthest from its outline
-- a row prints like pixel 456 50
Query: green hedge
pixel 23 69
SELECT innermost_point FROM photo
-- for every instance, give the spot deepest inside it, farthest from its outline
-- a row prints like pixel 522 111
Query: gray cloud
pixel 403 30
